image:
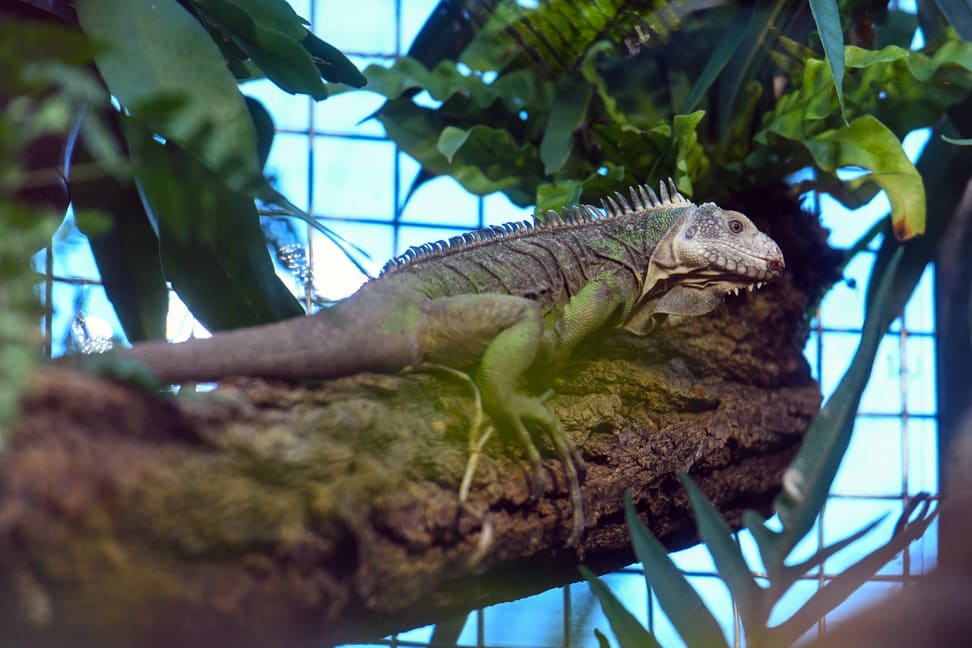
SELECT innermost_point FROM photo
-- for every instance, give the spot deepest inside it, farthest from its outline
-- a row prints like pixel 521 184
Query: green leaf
pixel 263 123
pixel 759 27
pixel 690 158
pixel 868 143
pixel 331 63
pixel 276 15
pixel 555 195
pixel 212 247
pixel 157 51
pixel 567 114
pixel 626 629
pixel 127 253
pixel 271 40
pixel 724 52
pixel 827 16
pixel 729 561
pixel 683 605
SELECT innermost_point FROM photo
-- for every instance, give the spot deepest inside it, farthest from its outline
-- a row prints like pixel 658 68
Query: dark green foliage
pixel 171 66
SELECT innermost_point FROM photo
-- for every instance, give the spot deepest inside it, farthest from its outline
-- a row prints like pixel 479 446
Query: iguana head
pixel 706 254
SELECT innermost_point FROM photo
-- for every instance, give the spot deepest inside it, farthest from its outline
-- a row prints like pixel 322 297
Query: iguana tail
pixel 337 341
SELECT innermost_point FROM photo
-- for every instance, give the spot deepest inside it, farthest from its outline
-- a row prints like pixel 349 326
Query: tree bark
pixel 304 514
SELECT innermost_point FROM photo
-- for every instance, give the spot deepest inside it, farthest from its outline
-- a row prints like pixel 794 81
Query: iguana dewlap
pixel 503 299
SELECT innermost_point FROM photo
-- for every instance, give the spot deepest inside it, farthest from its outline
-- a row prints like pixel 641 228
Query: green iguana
pixel 504 299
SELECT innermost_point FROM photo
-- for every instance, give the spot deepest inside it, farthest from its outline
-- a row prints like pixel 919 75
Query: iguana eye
pixel 736 226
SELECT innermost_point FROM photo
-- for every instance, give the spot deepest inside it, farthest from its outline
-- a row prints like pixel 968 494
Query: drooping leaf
pixel 827 16
pixel 158 52
pixel 683 605
pixel 626 629
pixel 723 53
pixel 271 38
pixel 868 143
pixel 212 248
pixel 331 63
pixel 263 123
pixel 567 114
pixel 127 253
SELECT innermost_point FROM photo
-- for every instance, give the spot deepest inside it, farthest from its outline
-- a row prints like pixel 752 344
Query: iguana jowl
pixel 504 299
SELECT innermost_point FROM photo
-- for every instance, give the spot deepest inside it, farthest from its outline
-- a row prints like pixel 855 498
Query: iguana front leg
pixel 506 332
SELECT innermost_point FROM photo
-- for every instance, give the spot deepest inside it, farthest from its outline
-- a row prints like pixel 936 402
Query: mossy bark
pixel 302 514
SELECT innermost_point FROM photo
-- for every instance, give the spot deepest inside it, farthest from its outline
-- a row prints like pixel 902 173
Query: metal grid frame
pixel 315 133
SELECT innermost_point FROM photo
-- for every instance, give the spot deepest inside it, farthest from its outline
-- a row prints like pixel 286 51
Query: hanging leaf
pixel 212 248
pixel 827 16
pixel 158 56
pixel 127 252
pixel 868 143
pixel 567 114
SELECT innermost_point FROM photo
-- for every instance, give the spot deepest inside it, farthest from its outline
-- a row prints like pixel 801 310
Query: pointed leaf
pixel 447 632
pixel 213 250
pixel 127 253
pixel 158 51
pixel 868 143
pixel 724 52
pixel 263 123
pixel 271 40
pixel 770 543
pixel 331 63
pixel 827 16
pixel 567 114
pixel 729 561
pixel 683 605
pixel 627 630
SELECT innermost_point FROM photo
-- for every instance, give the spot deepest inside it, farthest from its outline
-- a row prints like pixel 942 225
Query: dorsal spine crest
pixel 643 199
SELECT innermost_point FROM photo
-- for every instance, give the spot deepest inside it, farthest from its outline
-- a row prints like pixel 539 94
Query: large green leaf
pixel 868 143
pixel 212 248
pixel 158 52
pixel 567 114
pixel 127 252
pixel 331 63
pixel 624 625
pixel 827 16
pixel 683 605
pixel 271 37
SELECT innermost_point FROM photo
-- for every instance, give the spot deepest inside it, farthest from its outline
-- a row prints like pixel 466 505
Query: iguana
pixel 504 299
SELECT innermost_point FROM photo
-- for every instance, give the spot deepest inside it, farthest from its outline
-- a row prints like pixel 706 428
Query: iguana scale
pixel 502 300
